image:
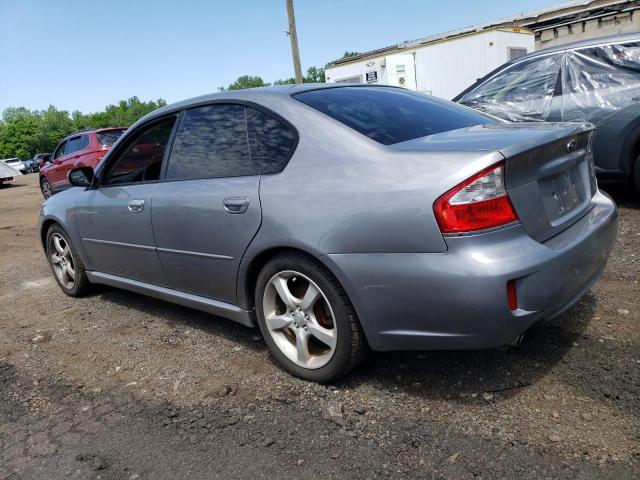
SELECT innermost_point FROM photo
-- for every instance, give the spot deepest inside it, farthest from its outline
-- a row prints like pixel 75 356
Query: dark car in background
pixel 80 149
pixel 597 81
pixel 41 159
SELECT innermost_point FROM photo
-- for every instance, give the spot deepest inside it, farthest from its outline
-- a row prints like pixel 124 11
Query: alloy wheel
pixel 299 319
pixel 62 261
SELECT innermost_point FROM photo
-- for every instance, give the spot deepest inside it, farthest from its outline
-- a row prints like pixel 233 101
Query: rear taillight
pixel 476 204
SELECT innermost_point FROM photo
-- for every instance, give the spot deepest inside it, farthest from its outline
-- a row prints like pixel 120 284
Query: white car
pixel 7 172
pixel 17 164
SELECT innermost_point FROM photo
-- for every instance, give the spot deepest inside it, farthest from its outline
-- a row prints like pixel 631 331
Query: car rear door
pixel 207 209
pixel 114 220
pixel 77 146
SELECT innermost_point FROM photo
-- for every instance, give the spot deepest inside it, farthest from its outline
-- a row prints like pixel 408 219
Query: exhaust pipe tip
pixel 516 341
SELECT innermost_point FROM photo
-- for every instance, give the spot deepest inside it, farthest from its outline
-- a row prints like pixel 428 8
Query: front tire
pixel 66 265
pixel 307 319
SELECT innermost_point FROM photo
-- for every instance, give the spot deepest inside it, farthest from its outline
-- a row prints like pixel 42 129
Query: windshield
pixel 390 115
pixel 109 138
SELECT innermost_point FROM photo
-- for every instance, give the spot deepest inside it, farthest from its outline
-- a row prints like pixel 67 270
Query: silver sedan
pixel 340 219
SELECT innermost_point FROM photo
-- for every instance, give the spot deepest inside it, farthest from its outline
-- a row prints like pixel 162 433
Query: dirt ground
pixel 120 386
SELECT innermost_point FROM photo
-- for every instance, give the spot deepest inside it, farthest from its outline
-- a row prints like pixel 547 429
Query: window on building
pixel 516 52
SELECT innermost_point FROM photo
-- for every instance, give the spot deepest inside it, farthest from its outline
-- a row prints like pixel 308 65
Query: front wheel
pixel 307 320
pixel 66 264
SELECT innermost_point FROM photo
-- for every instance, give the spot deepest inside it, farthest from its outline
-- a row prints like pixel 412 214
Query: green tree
pixel 246 81
pixel 24 132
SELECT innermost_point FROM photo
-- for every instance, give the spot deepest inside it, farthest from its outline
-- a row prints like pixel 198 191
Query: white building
pixel 441 65
pixel 446 64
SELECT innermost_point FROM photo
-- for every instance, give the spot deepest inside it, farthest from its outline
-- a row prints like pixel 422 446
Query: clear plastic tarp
pixel 586 84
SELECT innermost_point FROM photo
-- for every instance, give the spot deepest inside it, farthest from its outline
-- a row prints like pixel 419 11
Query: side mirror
pixel 81 177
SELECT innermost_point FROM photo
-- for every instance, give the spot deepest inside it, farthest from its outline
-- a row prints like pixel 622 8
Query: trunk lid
pixel 549 173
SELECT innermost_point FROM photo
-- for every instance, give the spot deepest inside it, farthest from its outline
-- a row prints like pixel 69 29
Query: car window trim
pixel 246 104
pixel 178 113
pixel 123 146
pixel 63 142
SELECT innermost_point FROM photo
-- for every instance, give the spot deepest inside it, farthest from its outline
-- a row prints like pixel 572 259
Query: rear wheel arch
pixel 256 265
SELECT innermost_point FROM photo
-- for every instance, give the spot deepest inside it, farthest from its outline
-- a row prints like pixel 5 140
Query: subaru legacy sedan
pixel 340 219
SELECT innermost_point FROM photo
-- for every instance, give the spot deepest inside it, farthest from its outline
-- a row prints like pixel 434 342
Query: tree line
pixel 24 132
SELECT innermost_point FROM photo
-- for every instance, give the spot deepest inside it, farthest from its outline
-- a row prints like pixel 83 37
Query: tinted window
pixel 60 150
pixel 390 115
pixel 271 142
pixel 109 138
pixel 76 144
pixel 211 142
pixel 142 159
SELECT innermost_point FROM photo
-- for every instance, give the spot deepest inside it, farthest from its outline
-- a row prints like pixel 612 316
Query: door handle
pixel 236 204
pixel 135 206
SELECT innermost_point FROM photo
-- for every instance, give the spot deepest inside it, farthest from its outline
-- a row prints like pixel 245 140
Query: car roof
pixel 93 130
pixel 250 95
pixel 610 39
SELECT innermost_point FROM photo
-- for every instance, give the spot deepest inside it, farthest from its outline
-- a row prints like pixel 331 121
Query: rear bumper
pixel 457 299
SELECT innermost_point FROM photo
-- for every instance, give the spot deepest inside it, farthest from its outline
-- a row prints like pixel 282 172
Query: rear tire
pixel 315 334
pixel 635 176
pixel 45 188
pixel 66 265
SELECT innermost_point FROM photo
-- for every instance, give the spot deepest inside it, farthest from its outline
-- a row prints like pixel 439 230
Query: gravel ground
pixel 120 386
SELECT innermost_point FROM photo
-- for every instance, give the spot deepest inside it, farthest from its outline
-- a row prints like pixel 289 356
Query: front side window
pixel 390 115
pixel 521 92
pixel 141 160
pixel 271 142
pixel 211 142
pixel 60 150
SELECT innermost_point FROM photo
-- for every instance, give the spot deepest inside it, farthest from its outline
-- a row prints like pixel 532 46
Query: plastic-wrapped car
pixel 596 81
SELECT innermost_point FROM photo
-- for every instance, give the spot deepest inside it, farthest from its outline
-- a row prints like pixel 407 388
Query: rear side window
pixel 109 138
pixel 609 66
pixel 76 144
pixel 390 115
pixel 271 142
pixel 211 142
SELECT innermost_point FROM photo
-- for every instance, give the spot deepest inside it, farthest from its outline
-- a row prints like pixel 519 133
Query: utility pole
pixel 294 41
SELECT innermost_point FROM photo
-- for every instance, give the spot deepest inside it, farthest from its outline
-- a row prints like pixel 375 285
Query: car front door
pixel 54 171
pixel 207 209
pixel 114 219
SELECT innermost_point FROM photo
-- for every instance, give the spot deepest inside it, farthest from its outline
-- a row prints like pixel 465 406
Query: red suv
pixel 80 149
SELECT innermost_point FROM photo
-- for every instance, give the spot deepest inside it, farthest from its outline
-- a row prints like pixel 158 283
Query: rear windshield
pixel 109 138
pixel 390 115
